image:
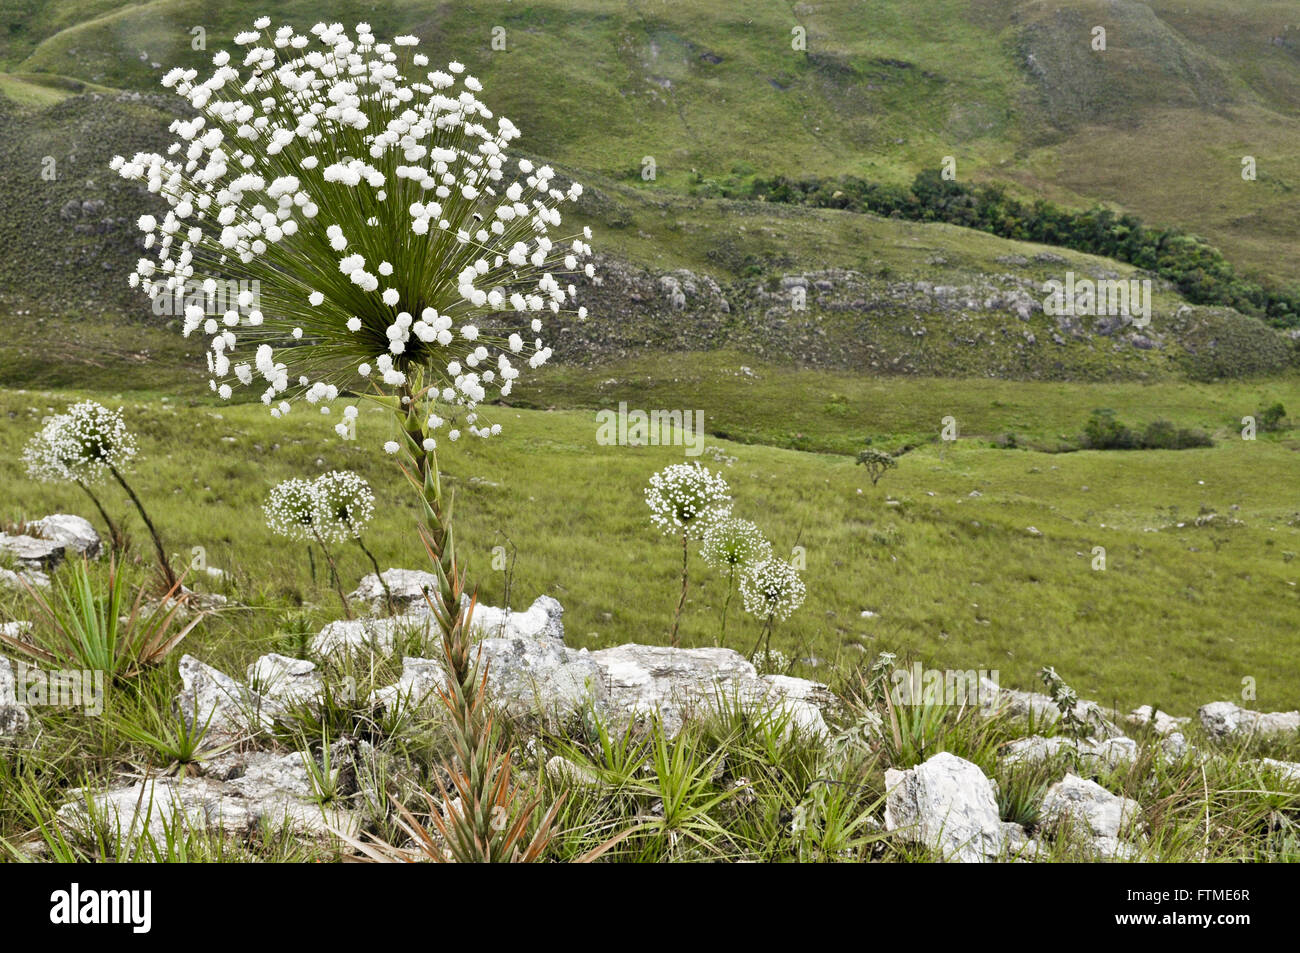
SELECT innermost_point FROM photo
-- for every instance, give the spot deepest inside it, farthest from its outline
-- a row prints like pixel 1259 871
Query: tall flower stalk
pixel 341 218
pixel 682 497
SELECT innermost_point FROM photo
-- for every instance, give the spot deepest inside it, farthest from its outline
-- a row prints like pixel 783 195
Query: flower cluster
pixel 80 444
pixel 333 507
pixel 771 589
pixel 681 493
pixel 729 542
pixel 393 245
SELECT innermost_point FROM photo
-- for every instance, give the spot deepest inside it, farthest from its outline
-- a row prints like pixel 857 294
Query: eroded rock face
pixel 948 805
pixel 1226 720
pixel 1093 812
pixel 73 533
pixel 528 677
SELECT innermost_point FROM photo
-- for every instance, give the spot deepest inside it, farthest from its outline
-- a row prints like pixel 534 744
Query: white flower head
pixel 681 494
pixel 771 589
pixel 81 444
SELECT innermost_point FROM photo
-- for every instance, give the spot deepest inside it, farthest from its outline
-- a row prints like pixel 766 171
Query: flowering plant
pixel 771 590
pixel 81 446
pixel 365 206
pixel 380 241
pixel 682 498
pixel 334 507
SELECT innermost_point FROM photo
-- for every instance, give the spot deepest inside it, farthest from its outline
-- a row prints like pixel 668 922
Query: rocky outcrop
pixel 675 683
pixel 1087 752
pixel 407 586
pixel 1042 710
pixel 261 789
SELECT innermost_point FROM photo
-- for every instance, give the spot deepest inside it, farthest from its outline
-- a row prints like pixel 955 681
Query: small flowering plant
pixel 334 507
pixel 771 590
pixel 683 498
pixel 730 543
pixel 83 445
pixel 681 494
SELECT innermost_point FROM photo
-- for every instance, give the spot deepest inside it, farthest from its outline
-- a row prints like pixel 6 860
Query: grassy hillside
pixel 1014 91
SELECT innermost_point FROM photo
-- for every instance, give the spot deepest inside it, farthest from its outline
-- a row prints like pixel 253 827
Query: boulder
pixel 1225 720
pixel 408 587
pixel 1288 770
pixel 33 577
pixel 540 622
pixel 948 805
pixel 378 635
pixel 1092 811
pixel 212 698
pixel 30 552
pixel 73 533
pixel 1164 724
pixel 285 683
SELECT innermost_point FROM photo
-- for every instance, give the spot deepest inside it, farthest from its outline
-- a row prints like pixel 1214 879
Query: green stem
pixel 169 577
pixel 116 541
pixel 681 603
pixel 334 574
pixel 731 579
pixel 388 593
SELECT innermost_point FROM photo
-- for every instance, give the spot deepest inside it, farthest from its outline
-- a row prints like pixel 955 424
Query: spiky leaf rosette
pixel 79 445
pixel 340 216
